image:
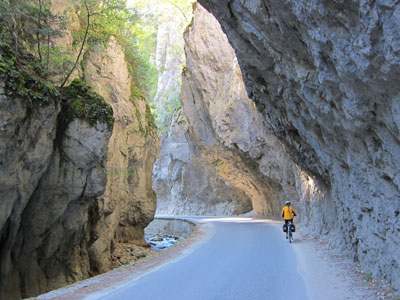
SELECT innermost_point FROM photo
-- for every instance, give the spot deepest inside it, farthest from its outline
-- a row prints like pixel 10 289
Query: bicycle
pixel 289 231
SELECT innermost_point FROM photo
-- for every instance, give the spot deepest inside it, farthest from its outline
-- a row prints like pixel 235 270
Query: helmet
pixel 287 203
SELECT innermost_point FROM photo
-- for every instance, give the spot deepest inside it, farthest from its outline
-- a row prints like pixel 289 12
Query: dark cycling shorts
pixel 287 221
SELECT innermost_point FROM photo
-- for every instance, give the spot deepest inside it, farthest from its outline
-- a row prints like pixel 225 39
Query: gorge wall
pixel 172 21
pixel 316 121
pixel 217 158
pixel 129 203
pixel 324 75
pixel 75 173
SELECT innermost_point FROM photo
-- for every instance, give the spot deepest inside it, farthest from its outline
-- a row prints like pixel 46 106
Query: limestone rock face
pixel 129 203
pixel 69 190
pixel 48 179
pixel 189 179
pixel 56 217
pixel 25 152
pixel 325 77
pixel 221 160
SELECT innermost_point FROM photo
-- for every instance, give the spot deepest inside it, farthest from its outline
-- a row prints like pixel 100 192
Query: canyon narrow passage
pixel 244 259
pixel 114 113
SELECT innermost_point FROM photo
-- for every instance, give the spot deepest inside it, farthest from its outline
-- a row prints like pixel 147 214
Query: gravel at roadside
pixel 333 277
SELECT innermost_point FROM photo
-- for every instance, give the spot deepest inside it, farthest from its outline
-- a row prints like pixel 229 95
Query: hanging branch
pixel 82 46
pixel 39 27
pixel 48 21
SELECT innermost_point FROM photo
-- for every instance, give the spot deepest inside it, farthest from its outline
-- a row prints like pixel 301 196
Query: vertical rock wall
pixel 54 226
pixel 129 203
pixel 325 77
pixel 56 218
pixel 25 152
pixel 50 175
pixel 191 180
pixel 217 157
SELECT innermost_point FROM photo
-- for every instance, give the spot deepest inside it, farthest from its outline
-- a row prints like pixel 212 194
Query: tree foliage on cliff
pixel 36 26
pixel 174 14
pixel 32 25
pixel 85 103
pixel 21 83
pixel 114 18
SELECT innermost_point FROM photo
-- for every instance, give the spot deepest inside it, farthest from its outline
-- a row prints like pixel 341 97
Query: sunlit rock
pixel 129 203
pixel 189 180
pixel 170 57
pixel 218 158
pixel 54 226
pixel 325 77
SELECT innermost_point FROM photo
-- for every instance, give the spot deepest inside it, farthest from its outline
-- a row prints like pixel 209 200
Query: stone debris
pixel 128 254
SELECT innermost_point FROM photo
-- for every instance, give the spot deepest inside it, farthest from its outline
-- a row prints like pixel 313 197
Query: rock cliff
pixel 52 168
pixel 217 157
pixel 129 203
pixel 324 75
pixel 60 218
pixel 190 179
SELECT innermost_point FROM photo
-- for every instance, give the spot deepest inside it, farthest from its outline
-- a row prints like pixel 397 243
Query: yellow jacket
pixel 288 212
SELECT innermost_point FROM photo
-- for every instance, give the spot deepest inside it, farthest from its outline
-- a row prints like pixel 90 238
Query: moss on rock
pixel 81 101
pixel 18 83
pixel 84 103
pixel 7 58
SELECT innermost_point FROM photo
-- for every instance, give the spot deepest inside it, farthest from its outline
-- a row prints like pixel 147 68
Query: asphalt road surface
pixel 244 259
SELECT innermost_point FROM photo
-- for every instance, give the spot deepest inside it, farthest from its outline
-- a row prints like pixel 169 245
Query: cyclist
pixel 288 213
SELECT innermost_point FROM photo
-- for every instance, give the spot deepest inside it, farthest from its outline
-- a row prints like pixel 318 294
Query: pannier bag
pixel 292 228
pixel 284 228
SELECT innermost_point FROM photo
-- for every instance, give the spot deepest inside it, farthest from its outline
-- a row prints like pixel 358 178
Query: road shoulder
pixel 117 278
pixel 332 277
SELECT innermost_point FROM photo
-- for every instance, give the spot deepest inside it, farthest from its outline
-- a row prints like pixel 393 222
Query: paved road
pixel 243 260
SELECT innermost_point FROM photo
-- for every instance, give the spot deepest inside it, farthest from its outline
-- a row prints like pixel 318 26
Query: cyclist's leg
pixel 287 226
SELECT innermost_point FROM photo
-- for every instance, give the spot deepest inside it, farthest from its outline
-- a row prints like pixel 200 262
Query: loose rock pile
pixel 128 254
